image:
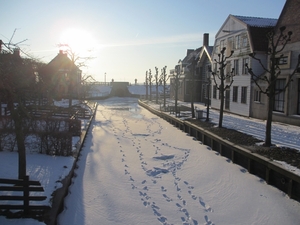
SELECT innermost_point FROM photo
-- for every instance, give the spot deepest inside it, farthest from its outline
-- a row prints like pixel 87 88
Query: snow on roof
pixel 257 21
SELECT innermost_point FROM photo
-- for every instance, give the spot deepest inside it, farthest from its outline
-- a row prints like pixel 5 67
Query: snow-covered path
pixel 136 168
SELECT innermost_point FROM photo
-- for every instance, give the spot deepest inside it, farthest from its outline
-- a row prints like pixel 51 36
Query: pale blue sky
pixel 128 37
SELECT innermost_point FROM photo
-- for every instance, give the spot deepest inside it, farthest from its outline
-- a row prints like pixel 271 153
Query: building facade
pixel 287 103
pixel 242 35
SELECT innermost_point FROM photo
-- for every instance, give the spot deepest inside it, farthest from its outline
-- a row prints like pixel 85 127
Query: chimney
pixel 17 52
pixel 61 52
pixel 189 51
pixel 205 39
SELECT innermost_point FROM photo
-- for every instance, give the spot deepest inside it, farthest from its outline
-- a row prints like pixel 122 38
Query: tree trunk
pixel 156 100
pixel 20 143
pixel 221 103
pixel 268 137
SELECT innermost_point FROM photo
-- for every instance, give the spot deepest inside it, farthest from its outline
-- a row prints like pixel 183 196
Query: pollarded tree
pixel 176 85
pixel 267 82
pixel 157 82
pixel 223 77
pixel 150 79
pixel 164 78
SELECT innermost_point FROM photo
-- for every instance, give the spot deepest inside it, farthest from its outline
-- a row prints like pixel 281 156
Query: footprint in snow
pixel 205 206
pixel 208 222
pixel 163 188
pixel 167 198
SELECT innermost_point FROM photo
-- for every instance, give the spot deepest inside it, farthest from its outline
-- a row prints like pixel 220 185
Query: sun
pixel 79 40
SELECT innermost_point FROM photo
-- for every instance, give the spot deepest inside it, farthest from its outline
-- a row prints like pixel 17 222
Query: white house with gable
pixel 243 35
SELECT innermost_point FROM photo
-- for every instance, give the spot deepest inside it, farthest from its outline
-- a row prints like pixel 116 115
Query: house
pixel 190 73
pixel 204 64
pixel 63 76
pixel 287 103
pixel 243 35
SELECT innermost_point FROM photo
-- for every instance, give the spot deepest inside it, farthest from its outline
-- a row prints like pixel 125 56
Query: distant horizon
pixel 125 38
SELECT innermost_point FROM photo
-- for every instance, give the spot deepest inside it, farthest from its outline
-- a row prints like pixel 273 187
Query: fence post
pixel 26 194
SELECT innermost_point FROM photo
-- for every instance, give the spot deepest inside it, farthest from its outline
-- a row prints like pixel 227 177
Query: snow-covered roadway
pixel 136 168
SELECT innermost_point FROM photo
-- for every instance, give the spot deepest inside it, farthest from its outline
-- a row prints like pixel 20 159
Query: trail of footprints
pixel 143 189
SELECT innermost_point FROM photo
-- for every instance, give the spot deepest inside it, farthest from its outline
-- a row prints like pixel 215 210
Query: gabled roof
pixel 62 62
pixel 188 59
pixel 205 52
pixel 257 28
pixel 257 21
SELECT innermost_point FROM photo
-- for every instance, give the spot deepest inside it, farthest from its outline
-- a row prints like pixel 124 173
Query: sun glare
pixel 79 40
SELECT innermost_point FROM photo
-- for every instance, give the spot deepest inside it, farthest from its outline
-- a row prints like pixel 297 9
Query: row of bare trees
pixel 157 80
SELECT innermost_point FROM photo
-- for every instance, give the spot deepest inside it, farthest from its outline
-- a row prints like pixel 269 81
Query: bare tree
pixel 157 82
pixel 18 86
pixel 150 79
pixel 164 78
pixel 176 85
pixel 223 77
pixel 277 44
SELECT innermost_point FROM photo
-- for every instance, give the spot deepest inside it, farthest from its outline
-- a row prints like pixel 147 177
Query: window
pixel 245 61
pixel 222 44
pixel 228 68
pixel 236 67
pixel 244 95
pixel 282 60
pixel 214 91
pixel 257 95
pixel 237 42
pixel 279 98
pixel 235 93
pixel 245 41
pixel 215 67
pixel 229 45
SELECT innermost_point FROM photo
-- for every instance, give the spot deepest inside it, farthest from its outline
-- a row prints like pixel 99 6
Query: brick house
pixel 287 103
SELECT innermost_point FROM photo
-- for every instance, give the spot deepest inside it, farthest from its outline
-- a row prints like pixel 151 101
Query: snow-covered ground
pixel 135 168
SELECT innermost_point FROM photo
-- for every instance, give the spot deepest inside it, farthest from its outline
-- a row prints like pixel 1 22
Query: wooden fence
pixel 19 190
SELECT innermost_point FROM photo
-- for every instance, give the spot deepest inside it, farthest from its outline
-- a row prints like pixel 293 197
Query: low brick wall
pixel 258 165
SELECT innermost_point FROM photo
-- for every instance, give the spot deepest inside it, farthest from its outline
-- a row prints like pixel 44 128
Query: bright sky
pixel 126 37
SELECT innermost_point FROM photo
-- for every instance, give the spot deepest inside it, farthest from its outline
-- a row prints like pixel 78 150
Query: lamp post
pixel 207 105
